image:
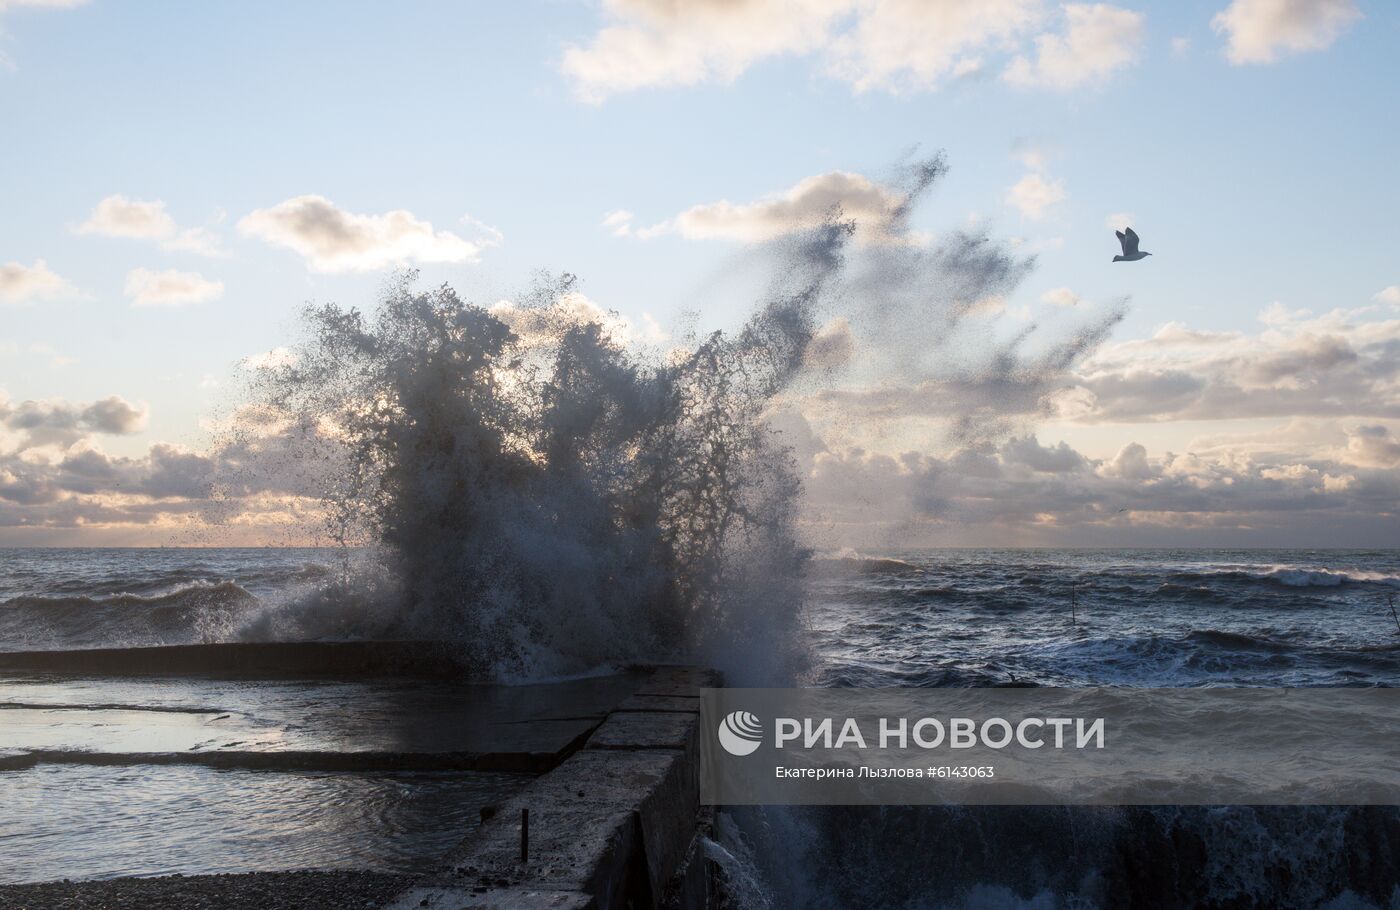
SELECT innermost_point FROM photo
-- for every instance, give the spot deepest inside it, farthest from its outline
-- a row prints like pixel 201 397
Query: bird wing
pixel 1129 239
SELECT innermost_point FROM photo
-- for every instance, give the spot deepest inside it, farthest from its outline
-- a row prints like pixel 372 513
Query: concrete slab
pixel 687 681
pixel 686 703
pixel 646 730
pixel 661 787
pixel 378 724
pixel 616 821
pixel 608 823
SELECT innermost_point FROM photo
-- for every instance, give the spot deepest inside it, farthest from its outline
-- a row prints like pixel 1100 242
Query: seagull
pixel 1129 239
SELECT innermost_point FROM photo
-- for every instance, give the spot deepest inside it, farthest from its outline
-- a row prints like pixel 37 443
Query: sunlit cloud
pixel 1260 31
pixel 1034 195
pixel 1097 40
pixel 118 216
pixel 20 283
pixel 334 240
pixel 170 288
pixel 875 208
pixel 889 45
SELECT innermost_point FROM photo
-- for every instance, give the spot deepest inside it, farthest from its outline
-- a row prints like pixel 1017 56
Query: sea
pixel 918 618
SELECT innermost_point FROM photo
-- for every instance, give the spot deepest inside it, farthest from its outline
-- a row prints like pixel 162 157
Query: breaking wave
pixel 1290 576
pixel 545 496
pixel 197 611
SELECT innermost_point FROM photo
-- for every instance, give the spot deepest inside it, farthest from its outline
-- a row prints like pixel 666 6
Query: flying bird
pixel 1129 240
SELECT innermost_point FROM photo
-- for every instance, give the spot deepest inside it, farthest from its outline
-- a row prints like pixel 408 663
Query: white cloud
pixel 1389 295
pixel 118 216
pixel 891 45
pixel 1257 31
pixel 1033 195
pixel 1119 221
pixel 1181 46
pixel 170 288
pixel 618 222
pixel 1062 297
pixel 660 43
pixel 1097 40
pixel 21 283
pixel 875 208
pixel 917 44
pixel 334 240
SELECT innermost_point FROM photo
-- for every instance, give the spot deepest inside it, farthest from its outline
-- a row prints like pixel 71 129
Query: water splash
pixel 544 495
pixel 553 498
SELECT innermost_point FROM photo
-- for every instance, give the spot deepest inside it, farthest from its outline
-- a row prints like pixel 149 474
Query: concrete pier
pixel 614 814
pixel 616 824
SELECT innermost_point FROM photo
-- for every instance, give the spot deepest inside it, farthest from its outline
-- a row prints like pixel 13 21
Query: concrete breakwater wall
pixel 246 660
pixel 617 824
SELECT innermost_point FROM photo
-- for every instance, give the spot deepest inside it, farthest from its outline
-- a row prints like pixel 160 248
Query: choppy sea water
pixel 932 618
pixel 1162 618
pixel 1109 617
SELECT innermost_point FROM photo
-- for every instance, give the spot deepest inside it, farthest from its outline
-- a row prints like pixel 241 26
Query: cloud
pixel 534 324
pixel 890 45
pixel 1062 297
pixel 832 347
pixel 113 415
pixel 1389 295
pixel 1033 195
pixel 334 240
pixel 1257 31
pixel 658 43
pixel 876 209
pixel 1024 491
pixel 1097 40
pixel 118 216
pixel 1373 446
pixel 21 283
pixel 170 288
pixel 1345 363
pixel 918 44
pixel 618 222
pixel 63 423
pixel 1119 221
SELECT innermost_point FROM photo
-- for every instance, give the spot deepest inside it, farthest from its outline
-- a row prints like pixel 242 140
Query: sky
pixel 178 180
